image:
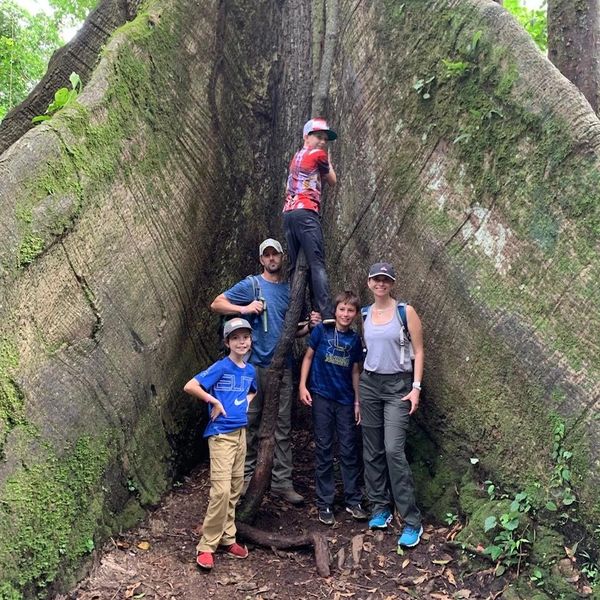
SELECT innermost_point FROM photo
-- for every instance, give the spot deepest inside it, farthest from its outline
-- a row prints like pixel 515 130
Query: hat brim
pixel 225 336
pixel 371 275
pixel 331 135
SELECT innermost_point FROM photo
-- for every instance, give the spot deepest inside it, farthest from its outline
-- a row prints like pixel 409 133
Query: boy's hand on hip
pixel 216 410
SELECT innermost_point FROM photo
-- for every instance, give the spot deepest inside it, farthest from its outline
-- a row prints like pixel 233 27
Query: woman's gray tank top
pixel 388 350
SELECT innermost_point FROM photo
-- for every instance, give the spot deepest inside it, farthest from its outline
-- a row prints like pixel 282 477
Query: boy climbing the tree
pixel 333 360
pixel 228 386
pixel 309 168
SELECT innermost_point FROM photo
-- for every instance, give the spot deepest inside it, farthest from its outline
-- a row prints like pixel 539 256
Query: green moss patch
pixel 49 511
pixel 11 397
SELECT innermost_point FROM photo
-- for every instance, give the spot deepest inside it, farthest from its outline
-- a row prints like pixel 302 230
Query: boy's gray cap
pixel 270 243
pixel 235 324
pixel 382 268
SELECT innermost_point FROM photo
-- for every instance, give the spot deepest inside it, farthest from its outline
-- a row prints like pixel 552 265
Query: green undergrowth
pixel 531 531
pixel 129 132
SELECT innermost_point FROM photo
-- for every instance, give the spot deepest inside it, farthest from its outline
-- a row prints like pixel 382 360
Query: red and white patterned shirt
pixel 304 180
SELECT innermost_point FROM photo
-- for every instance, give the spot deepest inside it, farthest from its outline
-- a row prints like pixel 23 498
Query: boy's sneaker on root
pixel 236 550
pixel 205 560
pixel 358 512
pixel 380 520
pixel 326 516
pixel 410 536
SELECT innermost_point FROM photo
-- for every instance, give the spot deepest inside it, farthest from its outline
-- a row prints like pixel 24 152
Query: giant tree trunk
pixel 574 44
pixel 463 157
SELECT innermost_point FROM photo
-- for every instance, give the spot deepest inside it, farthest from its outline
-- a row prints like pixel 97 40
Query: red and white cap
pixel 319 124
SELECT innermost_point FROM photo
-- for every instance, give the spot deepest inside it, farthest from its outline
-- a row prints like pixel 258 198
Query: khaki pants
pixel 227 455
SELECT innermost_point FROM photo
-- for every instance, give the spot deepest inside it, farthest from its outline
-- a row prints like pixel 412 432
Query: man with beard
pixel 263 300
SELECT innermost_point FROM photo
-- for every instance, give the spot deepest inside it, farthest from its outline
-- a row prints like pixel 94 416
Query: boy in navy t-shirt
pixel 333 360
pixel 228 386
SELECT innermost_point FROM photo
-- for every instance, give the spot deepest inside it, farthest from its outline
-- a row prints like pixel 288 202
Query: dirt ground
pixel 157 559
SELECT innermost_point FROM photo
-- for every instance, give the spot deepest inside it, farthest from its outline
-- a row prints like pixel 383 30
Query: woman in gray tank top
pixel 389 394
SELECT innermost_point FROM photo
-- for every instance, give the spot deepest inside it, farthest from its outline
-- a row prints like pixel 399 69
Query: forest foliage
pixel 27 41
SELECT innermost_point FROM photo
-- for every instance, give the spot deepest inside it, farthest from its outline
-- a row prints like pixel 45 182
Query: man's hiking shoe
pixel 410 536
pixel 289 494
pixel 330 322
pixel 380 520
pixel 236 550
pixel 326 516
pixel 205 560
pixel 358 512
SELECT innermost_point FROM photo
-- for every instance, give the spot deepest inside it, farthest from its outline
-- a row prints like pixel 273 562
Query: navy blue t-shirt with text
pixel 336 352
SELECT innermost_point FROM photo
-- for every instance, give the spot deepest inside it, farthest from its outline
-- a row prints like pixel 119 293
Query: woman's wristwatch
pixel 416 385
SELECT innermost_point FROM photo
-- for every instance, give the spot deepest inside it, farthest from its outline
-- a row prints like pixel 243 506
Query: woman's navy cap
pixel 382 268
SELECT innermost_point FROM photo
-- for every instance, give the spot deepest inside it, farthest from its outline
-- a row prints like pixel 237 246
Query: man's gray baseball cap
pixel 235 324
pixel 270 243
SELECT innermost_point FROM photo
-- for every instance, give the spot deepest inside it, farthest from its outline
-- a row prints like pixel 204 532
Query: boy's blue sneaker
pixel 410 536
pixel 380 520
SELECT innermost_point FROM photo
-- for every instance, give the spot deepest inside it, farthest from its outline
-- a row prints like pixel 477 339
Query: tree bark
pixel 123 215
pixel 574 44
pixel 321 93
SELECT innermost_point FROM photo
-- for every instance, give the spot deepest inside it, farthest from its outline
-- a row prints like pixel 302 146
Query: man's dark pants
pixel 330 417
pixel 303 230
pixel 385 420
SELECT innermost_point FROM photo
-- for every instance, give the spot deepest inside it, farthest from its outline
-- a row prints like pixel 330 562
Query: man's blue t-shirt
pixel 231 385
pixel 277 298
pixel 336 352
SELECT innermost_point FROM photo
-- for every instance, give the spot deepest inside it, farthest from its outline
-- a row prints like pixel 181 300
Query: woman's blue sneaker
pixel 411 536
pixel 380 520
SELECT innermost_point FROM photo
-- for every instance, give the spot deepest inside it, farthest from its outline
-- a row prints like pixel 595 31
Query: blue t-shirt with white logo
pixel 230 384
pixel 336 352
pixel 277 298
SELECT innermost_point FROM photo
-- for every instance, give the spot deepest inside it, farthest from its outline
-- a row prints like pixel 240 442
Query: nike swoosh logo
pixel 239 401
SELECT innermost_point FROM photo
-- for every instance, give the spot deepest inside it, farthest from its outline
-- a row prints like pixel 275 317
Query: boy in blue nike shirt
pixel 228 386
pixel 333 360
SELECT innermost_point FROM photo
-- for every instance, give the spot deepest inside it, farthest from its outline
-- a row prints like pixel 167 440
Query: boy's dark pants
pixel 303 230
pixel 330 417
pixel 385 420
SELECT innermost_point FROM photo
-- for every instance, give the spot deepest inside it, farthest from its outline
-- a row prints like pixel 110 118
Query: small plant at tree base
pixel 560 485
pixel 537 577
pixel 507 547
pixel 451 518
pixel 62 97
pixel 590 568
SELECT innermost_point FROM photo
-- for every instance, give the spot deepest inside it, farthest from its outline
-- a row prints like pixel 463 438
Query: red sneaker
pixel 205 560
pixel 236 550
